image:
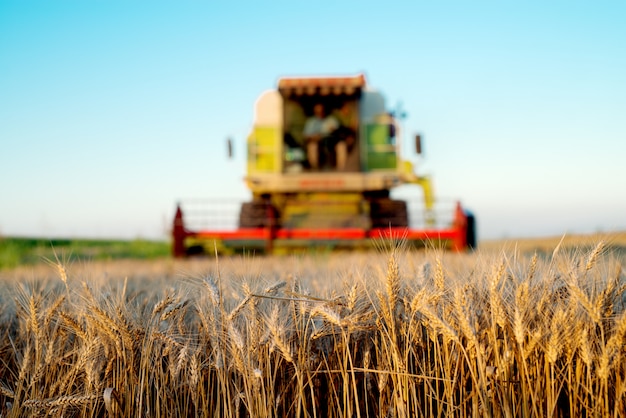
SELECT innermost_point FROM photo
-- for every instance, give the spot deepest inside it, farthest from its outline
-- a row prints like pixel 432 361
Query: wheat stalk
pixel 277 334
pixel 328 314
pixel 239 307
pixel 592 310
pixel 440 278
pixel 173 311
pixel 4 390
pixel 593 256
pixel 392 282
pixel 162 305
pixel 613 346
pixel 66 401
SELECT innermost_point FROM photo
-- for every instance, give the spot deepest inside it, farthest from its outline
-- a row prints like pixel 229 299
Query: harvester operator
pixel 345 135
pixel 319 138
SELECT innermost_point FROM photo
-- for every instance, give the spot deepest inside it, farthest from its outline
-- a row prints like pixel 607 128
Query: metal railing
pixel 223 214
pixel 210 214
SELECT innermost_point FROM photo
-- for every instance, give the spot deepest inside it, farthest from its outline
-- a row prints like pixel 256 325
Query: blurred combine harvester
pixel 323 156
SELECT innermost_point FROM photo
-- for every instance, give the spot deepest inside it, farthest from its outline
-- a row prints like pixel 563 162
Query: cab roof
pixel 323 86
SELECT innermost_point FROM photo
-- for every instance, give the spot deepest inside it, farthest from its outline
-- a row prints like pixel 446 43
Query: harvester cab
pixel 322 158
pixel 322 125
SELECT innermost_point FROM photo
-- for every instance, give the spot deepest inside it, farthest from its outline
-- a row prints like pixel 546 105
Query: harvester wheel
pixel 389 213
pixel 254 215
pixel 470 237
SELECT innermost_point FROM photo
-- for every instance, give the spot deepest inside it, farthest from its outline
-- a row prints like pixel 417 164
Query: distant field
pixel 525 328
pixel 616 241
pixel 28 251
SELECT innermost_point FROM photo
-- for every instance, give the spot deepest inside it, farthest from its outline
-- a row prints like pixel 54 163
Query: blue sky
pixel 111 111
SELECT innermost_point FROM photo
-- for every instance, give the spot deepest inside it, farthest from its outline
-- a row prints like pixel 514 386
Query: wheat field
pixel 390 333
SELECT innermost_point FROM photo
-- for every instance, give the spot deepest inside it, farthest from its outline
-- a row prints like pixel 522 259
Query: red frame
pixel 456 234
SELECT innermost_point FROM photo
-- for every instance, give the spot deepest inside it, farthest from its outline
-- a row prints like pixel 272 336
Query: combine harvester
pixel 330 190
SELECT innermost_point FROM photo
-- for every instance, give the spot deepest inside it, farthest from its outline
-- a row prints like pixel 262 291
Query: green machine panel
pixel 380 152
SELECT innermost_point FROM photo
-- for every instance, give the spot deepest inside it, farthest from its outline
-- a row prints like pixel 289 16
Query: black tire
pixel 255 215
pixel 470 234
pixel 194 250
pixel 389 213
